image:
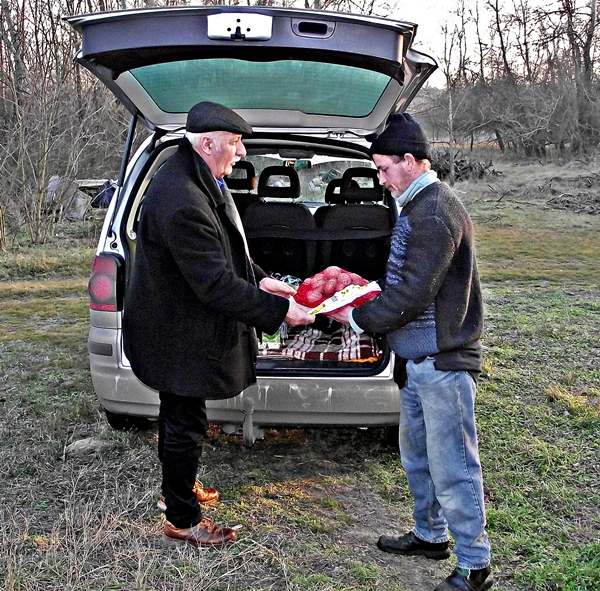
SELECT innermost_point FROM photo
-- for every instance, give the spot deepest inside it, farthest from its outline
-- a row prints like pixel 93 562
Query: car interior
pixel 302 216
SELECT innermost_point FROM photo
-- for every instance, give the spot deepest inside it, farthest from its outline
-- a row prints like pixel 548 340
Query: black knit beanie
pixel 402 136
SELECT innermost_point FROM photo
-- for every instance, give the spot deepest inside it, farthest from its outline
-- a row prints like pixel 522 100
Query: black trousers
pixel 182 425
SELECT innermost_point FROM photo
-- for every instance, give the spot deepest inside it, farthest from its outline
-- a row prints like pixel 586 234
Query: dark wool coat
pixel 191 304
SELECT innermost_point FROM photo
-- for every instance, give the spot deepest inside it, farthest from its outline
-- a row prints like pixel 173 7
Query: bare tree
pixel 455 65
pixel 49 125
pixel 501 32
pixel 580 28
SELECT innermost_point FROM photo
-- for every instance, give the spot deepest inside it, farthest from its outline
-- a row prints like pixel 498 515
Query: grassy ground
pixel 313 502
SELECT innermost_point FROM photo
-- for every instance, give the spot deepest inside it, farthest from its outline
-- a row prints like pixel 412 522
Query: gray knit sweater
pixel 431 303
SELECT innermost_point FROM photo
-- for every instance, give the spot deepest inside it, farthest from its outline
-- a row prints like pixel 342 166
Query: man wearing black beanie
pixel 431 310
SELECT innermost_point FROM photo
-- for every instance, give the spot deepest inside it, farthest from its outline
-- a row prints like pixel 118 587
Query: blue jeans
pixel 438 445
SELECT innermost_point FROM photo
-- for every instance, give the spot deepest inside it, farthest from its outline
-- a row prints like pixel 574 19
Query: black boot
pixel 477 580
pixel 410 545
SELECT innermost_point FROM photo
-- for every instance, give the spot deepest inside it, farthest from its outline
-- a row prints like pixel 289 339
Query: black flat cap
pixel 209 116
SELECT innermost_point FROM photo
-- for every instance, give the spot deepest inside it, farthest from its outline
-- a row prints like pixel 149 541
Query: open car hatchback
pixel 316 87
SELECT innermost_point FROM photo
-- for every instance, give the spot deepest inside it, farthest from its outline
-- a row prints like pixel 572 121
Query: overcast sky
pixel 430 16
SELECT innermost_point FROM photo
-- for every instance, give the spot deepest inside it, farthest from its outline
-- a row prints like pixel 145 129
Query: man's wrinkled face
pixel 226 149
pixel 395 172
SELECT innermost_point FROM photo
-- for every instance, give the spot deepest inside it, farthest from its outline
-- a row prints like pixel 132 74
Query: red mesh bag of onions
pixel 335 288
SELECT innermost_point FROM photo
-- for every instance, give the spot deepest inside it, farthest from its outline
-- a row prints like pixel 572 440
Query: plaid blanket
pixel 342 345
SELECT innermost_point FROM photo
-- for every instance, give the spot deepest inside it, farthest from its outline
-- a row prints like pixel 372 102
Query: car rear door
pixel 283 70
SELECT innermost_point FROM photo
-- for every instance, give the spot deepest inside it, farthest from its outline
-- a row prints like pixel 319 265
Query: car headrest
pixel 333 193
pixel 242 177
pixel 286 185
pixel 365 187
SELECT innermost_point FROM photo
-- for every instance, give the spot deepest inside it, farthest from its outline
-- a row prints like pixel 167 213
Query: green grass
pixel 515 254
pixel 312 502
pixel 539 420
pixel 541 467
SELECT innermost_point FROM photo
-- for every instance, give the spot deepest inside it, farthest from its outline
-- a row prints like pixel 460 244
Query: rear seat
pixel 356 232
pixel 241 183
pixel 332 197
pixel 277 230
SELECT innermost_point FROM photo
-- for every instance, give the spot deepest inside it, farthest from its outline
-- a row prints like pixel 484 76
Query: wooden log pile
pixel 582 202
pixel 464 168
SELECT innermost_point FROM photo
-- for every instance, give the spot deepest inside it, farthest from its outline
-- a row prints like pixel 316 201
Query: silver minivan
pixel 316 87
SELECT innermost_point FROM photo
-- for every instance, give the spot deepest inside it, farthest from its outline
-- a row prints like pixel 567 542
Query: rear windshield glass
pixel 309 87
pixel 314 174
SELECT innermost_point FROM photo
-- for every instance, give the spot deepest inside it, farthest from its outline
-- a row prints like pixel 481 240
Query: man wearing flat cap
pixel 432 313
pixel 194 301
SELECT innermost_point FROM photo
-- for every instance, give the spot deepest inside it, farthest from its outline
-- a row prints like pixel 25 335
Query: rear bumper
pixel 362 402
pixel 274 401
pixel 116 387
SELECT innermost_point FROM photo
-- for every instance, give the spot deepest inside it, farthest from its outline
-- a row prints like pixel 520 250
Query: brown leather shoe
pixel 206 533
pixel 205 496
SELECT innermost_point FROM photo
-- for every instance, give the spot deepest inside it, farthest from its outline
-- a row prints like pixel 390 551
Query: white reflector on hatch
pixel 236 26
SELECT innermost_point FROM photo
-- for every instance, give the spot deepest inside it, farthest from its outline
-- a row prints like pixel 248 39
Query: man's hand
pixel 298 315
pixel 276 287
pixel 341 315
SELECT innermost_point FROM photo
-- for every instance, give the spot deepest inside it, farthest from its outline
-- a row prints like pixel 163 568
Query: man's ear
pixel 410 160
pixel 205 144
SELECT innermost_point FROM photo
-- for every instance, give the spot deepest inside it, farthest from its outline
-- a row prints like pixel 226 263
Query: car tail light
pixel 105 283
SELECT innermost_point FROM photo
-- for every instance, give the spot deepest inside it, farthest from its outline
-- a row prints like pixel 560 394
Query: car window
pixel 333 89
pixel 314 173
